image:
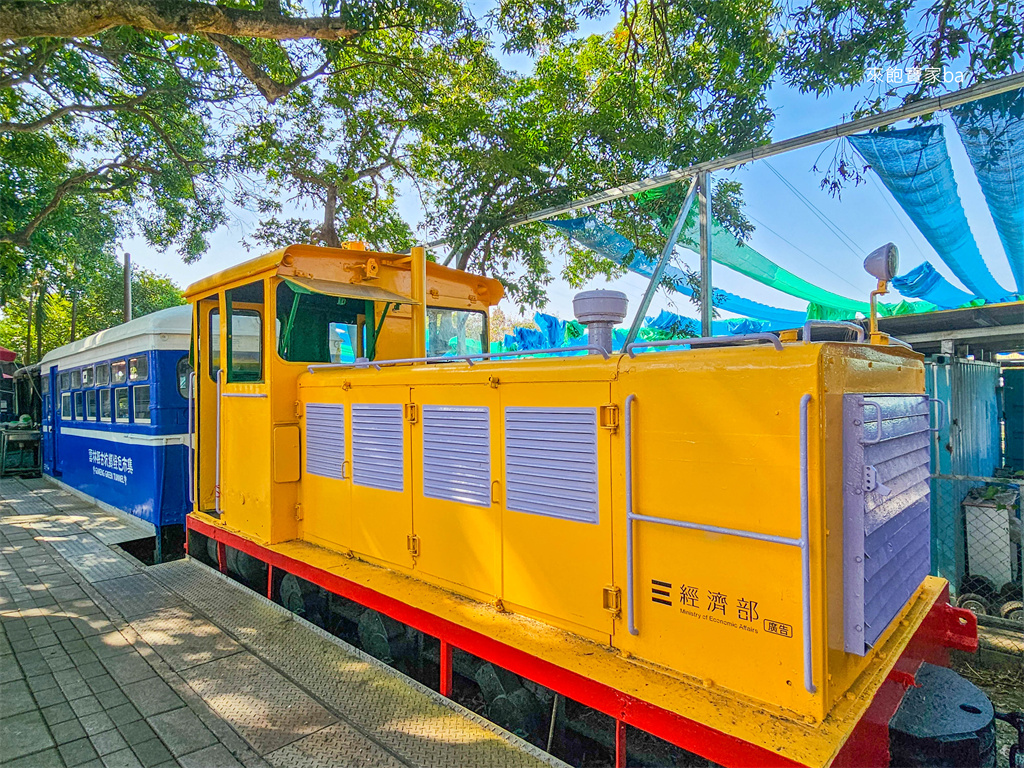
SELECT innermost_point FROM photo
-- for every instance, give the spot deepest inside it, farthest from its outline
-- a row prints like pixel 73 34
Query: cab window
pixel 455 332
pixel 318 328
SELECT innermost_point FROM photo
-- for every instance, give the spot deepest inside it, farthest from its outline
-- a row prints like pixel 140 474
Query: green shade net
pixel 728 251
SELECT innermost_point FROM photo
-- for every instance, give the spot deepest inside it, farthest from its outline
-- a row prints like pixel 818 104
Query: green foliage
pixel 40 319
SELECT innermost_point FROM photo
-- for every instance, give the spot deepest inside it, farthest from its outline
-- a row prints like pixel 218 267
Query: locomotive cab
pixel 258 326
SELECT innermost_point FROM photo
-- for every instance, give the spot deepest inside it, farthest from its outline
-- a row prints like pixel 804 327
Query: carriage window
pixel 104 405
pixel 103 374
pixel 455 332
pixel 76 379
pixel 214 365
pixel 138 368
pixel 118 372
pixel 88 377
pixel 65 381
pixel 44 383
pixel 90 405
pixel 140 395
pixel 65 405
pixel 121 404
pixel 79 405
pixel 183 371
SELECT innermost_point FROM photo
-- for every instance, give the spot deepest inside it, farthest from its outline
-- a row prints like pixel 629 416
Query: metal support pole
pixel 127 286
pixel 705 254
pixel 222 557
pixel 620 744
pixel 659 269
pixel 446 669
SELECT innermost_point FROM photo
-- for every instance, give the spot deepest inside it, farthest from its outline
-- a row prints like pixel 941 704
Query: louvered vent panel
pixel 551 462
pixel 887 536
pixel 457 454
pixel 378 446
pixel 325 439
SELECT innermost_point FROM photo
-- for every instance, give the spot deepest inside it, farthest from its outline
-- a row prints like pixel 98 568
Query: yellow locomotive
pixel 722 542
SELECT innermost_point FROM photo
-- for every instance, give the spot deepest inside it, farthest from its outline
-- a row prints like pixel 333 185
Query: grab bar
pixel 832 324
pixel 376 364
pixel 216 482
pixel 707 341
pixel 803 542
pixel 191 400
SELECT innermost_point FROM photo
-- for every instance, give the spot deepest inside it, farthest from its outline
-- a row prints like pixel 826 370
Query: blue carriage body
pixel 115 416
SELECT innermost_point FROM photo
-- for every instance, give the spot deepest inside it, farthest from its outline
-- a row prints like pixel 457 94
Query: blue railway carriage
pixel 115 418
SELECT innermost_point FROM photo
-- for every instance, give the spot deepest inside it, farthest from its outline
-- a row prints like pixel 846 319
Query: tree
pixel 43 316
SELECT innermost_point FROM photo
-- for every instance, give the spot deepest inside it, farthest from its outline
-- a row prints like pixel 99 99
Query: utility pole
pixel 705 254
pixel 127 286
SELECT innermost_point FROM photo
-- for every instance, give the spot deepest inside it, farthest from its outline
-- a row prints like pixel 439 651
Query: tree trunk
pixel 28 331
pixel 329 231
pixel 74 313
pixel 40 312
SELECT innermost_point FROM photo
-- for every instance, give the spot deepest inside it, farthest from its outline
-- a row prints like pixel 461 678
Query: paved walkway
pixel 106 663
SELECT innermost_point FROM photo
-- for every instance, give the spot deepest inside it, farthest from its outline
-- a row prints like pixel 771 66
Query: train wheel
pixel 975 603
pixel 1013 611
pixel 291 594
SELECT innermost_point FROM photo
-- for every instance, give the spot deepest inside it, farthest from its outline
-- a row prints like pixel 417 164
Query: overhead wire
pixel 845 239
pixel 796 247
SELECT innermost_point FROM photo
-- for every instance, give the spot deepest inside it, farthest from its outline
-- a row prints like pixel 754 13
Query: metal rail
pixel 659 269
pixel 833 324
pixel 376 364
pixel 803 542
pixel 707 341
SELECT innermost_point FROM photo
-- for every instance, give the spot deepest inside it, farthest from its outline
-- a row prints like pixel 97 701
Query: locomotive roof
pixel 175 321
pixel 334 265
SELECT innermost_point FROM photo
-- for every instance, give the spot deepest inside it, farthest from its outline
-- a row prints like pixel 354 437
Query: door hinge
pixel 298 409
pixel 611 598
pixel 411 411
pixel 298 511
pixel 609 416
pixel 412 543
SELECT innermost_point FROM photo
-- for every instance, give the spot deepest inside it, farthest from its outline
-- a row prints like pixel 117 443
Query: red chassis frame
pixel 944 627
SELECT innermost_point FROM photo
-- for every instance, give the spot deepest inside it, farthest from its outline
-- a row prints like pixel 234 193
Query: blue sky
pixel 787 230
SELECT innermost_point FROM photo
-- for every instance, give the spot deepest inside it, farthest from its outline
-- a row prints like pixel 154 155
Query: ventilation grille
pixel 457 454
pixel 551 462
pixel 378 442
pixel 887 533
pixel 325 440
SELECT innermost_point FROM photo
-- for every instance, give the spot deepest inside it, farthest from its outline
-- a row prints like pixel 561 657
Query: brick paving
pixel 104 662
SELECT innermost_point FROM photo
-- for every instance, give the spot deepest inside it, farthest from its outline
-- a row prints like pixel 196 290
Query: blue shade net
pixel 606 242
pixel 992 131
pixel 914 166
pixel 923 281
pixel 552 333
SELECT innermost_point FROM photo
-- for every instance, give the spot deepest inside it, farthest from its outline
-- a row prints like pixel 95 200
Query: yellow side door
pixel 380 451
pixel 557 519
pixel 457 449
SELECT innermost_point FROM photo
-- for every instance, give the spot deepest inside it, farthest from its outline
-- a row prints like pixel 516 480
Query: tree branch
pixel 269 88
pixel 84 18
pixel 49 119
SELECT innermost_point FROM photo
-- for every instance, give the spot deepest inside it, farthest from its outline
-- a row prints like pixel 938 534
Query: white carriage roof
pixel 176 322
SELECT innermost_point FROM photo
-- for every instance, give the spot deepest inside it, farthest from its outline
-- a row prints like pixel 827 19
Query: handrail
pixel 833 324
pixel 940 413
pixel 707 341
pixel 630 608
pixel 805 547
pixel 878 422
pixel 216 482
pixel 376 364
pixel 803 543
pixel 191 400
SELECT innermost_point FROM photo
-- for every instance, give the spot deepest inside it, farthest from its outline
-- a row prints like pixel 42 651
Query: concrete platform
pixel 104 662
